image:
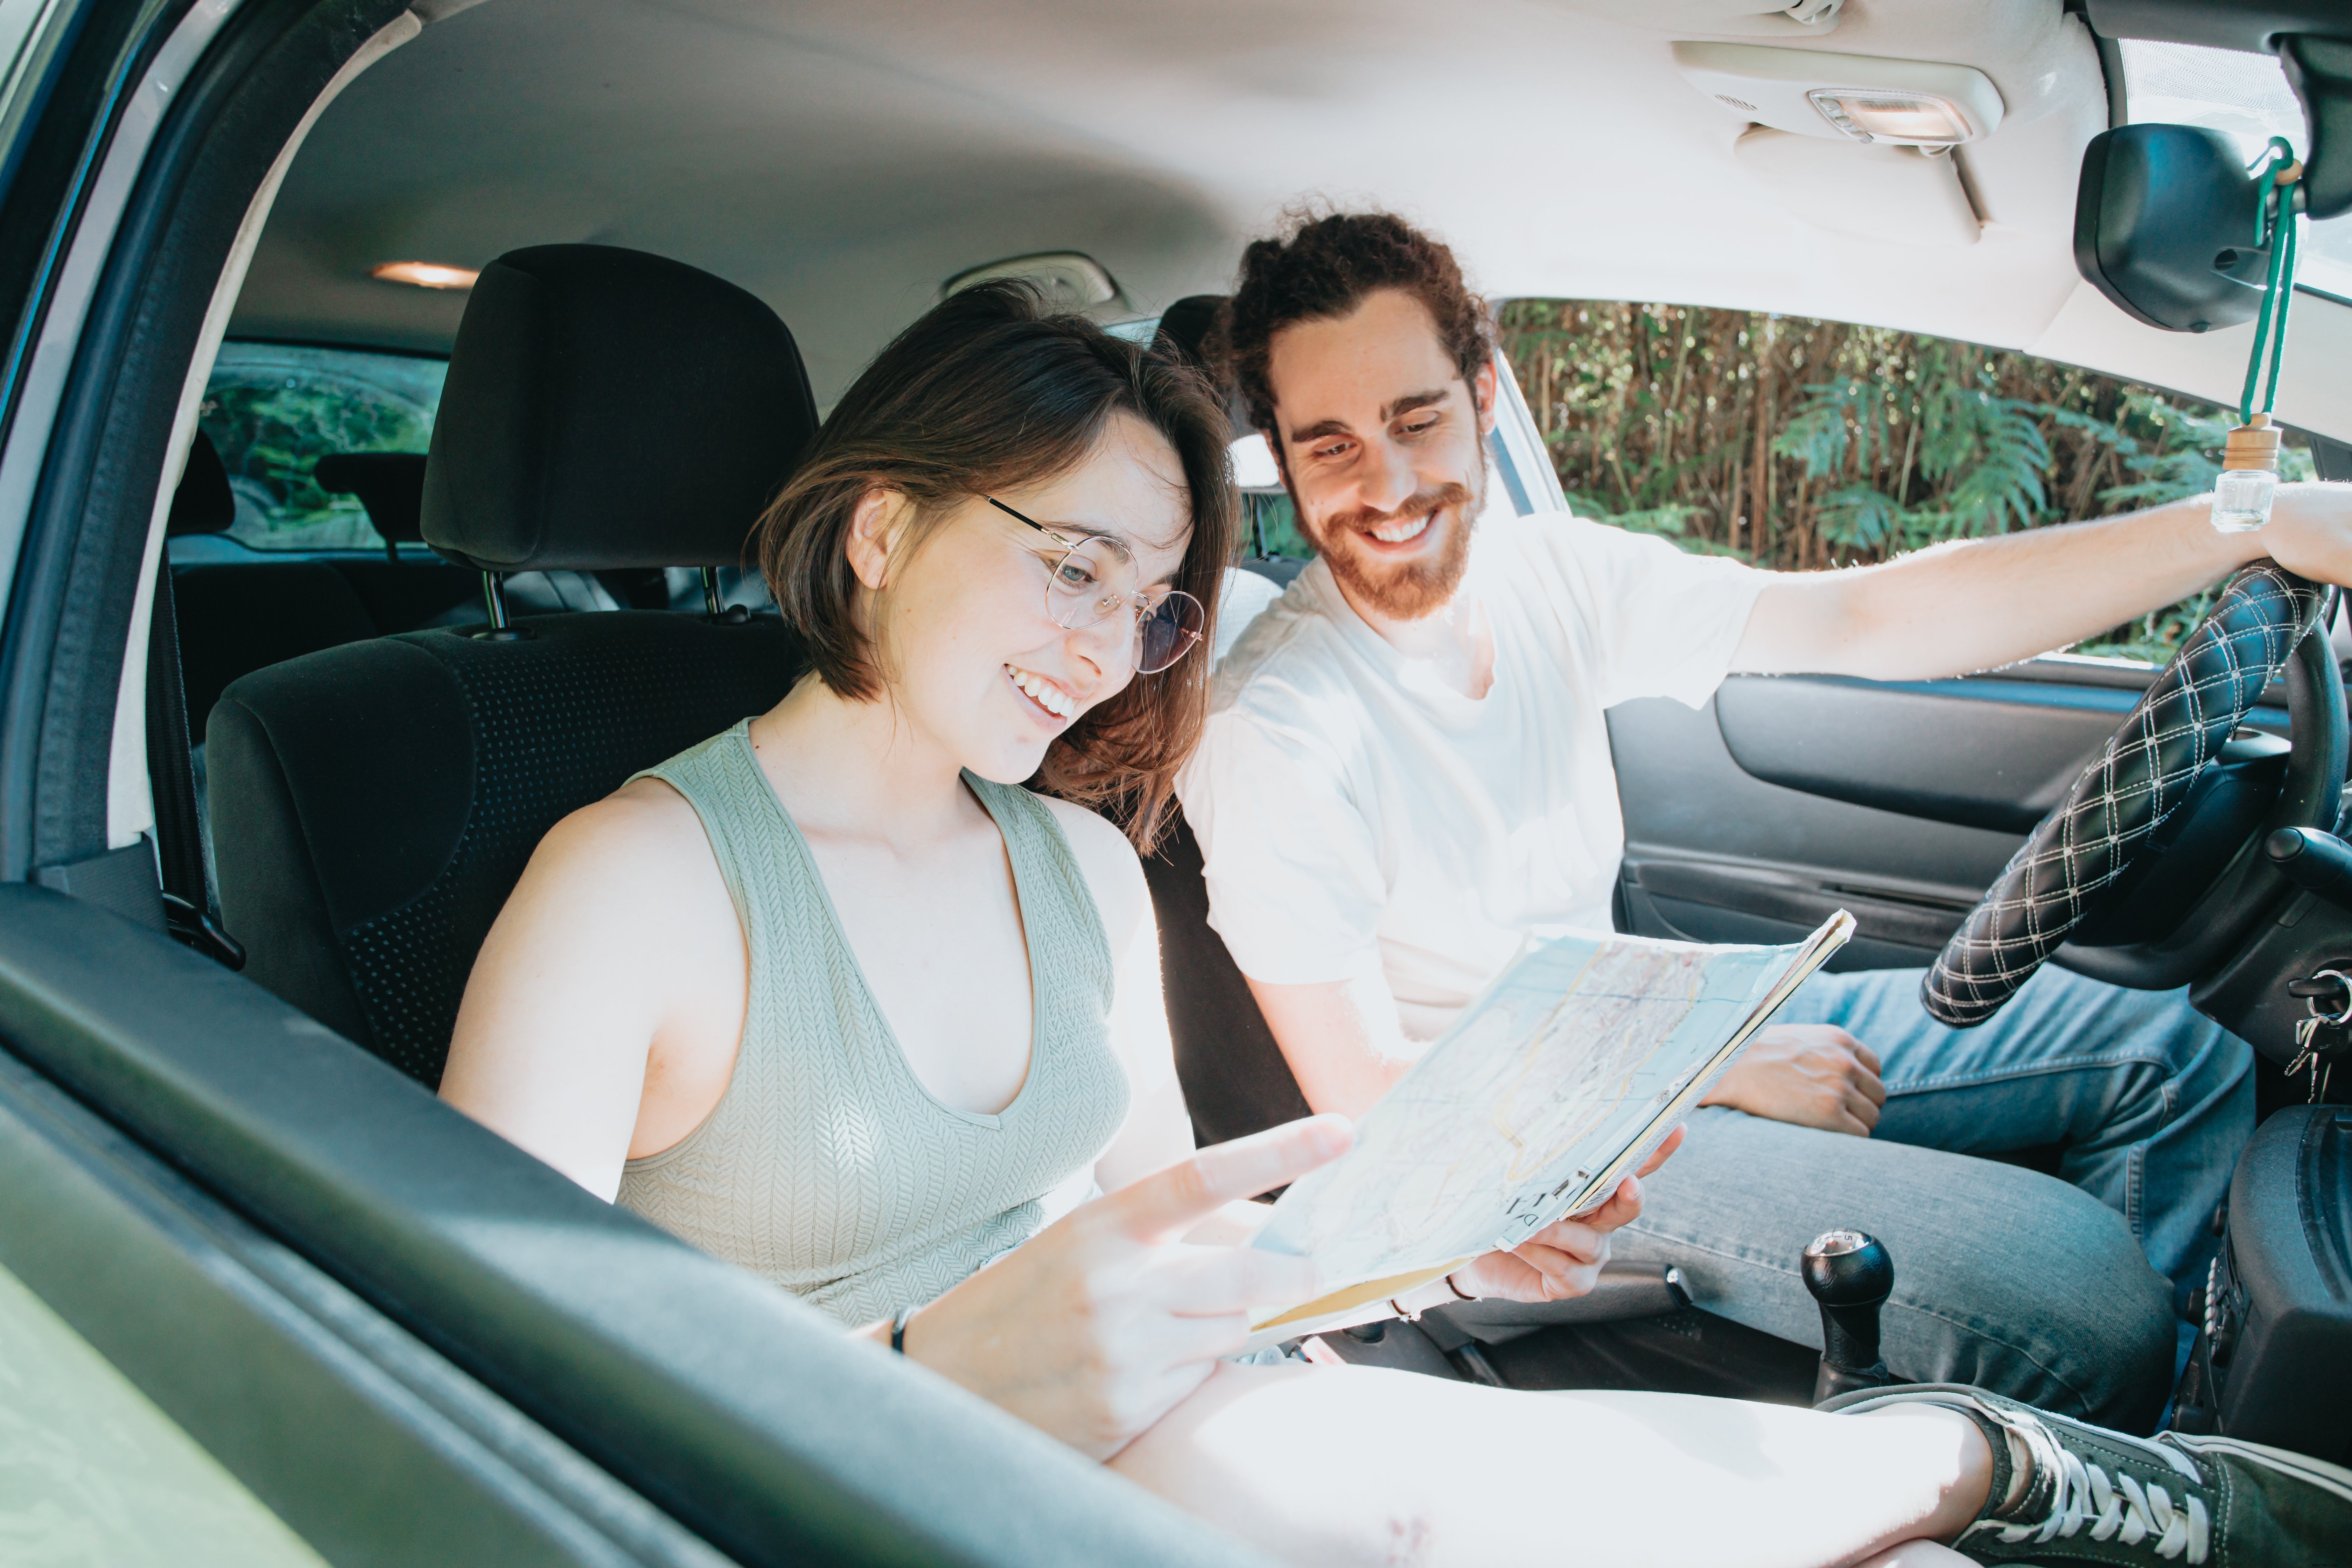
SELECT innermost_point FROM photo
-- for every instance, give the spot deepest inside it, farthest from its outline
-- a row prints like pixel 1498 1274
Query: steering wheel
pixel 2110 833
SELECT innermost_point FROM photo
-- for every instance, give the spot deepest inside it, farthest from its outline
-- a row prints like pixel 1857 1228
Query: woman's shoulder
pixel 1108 863
pixel 640 847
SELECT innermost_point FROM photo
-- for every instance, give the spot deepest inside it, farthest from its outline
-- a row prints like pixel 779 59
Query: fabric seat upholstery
pixel 1236 1080
pixel 238 619
pixel 372 805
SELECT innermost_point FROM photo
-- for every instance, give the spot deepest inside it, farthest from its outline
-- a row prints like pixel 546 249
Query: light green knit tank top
pixel 826 1166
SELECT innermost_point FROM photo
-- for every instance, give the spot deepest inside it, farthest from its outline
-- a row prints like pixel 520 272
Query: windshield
pixel 2245 96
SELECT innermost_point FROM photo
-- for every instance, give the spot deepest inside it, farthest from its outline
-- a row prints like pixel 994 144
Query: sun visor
pixel 1895 194
pixel 1846 98
pixel 2168 220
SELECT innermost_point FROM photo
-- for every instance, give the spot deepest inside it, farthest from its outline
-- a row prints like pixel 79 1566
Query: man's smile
pixel 1402 529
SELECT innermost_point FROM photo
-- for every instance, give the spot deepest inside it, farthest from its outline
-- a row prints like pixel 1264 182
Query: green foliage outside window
pixel 1800 444
pixel 273 410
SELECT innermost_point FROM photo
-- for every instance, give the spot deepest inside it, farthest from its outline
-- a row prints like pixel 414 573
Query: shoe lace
pixel 2121 1509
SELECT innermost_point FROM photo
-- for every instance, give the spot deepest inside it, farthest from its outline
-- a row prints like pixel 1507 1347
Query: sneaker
pixel 2099 1496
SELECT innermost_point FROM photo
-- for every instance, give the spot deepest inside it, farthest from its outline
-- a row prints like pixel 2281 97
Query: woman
pixel 830 995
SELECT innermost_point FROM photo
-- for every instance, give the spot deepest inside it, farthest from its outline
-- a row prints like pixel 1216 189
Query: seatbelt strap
pixel 179 839
pixel 172 776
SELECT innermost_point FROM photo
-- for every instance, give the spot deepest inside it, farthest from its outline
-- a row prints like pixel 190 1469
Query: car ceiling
pixel 841 158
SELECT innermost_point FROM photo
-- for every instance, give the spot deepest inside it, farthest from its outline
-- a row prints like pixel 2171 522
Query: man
pixel 1406 770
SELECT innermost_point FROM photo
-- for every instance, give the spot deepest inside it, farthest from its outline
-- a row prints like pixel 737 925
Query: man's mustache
pixel 1420 503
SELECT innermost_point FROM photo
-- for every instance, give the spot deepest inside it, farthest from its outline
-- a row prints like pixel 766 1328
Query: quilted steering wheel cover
pixel 2109 821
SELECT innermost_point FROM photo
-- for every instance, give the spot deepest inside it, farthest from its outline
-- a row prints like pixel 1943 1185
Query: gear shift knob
pixel 1851 1276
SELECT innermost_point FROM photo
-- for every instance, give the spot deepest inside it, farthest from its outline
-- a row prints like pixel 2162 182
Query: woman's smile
pixel 1044 694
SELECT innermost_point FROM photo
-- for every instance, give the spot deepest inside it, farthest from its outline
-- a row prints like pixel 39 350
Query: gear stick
pixel 1851 1275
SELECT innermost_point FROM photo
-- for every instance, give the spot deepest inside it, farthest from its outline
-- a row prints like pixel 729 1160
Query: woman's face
pixel 973 658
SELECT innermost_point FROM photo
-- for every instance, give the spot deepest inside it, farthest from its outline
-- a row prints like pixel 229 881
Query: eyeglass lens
pixel 1097 578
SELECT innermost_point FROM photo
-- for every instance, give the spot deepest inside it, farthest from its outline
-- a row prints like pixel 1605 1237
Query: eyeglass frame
pixel 1070 547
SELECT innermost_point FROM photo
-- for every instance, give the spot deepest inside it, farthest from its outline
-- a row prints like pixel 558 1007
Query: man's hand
pixel 2310 531
pixel 1563 1259
pixel 1812 1075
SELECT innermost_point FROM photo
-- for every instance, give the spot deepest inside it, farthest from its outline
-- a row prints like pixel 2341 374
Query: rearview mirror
pixel 2169 225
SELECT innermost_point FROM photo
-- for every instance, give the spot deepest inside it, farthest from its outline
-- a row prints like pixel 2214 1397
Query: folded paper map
pixel 1552 1087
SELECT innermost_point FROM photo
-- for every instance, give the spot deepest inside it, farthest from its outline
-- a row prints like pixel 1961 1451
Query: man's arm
pixel 1980 603
pixel 1342 1039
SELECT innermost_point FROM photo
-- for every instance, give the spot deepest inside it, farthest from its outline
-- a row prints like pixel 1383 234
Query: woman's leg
pixel 1357 1465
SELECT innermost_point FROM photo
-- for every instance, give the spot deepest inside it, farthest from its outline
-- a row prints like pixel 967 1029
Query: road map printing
pixel 1554 1084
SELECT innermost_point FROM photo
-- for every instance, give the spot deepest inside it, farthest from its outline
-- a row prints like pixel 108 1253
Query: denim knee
pixel 2077 1299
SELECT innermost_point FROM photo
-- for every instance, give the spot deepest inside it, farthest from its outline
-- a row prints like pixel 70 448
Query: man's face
pixel 1382 444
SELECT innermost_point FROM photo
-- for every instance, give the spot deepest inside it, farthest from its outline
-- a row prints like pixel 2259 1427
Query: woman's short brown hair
pixel 988 393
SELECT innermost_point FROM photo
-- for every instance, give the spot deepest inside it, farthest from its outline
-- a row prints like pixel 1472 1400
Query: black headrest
pixel 1185 325
pixel 1185 328
pixel 606 409
pixel 203 503
pixel 390 484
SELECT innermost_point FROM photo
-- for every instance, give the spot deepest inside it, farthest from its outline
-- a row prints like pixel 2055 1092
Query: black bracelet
pixel 1457 1289
pixel 899 1329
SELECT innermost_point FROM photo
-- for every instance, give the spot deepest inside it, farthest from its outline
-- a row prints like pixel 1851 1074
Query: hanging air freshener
pixel 2250 457
pixel 2242 497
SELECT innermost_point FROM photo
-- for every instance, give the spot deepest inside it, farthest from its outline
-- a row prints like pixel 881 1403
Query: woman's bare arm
pixel 1158 1130
pixel 601 1018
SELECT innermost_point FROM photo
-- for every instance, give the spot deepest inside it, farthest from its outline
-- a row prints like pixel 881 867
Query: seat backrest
pixel 1235 1079
pixel 238 619
pixel 374 805
pixel 402 594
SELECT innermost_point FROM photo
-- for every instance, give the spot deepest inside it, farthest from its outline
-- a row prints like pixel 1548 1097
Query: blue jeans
pixel 2039 1288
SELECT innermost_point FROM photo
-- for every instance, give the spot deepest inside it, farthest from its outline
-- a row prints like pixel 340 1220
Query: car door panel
pixel 1714 853
pixel 1922 743
pixel 1786 797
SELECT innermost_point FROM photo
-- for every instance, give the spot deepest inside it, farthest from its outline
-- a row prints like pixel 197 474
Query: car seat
pixel 374 805
pixel 236 618
pixel 402 593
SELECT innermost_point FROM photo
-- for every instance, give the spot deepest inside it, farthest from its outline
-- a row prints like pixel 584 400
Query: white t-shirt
pixel 1358 815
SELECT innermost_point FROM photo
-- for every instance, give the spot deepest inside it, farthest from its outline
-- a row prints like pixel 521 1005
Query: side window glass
pixel 1799 444
pixel 273 410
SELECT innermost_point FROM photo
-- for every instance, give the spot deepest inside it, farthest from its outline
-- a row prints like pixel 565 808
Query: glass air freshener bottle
pixel 2242 497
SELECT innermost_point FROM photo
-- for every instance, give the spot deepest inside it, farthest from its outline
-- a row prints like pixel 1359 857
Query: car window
pixel 1800 444
pixel 2246 97
pixel 273 410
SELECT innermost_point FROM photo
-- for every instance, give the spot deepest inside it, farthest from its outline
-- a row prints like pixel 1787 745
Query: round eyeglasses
pixel 1096 577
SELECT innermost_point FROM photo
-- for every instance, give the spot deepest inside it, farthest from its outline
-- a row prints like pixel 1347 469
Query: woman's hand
pixel 1106 1320
pixel 1563 1259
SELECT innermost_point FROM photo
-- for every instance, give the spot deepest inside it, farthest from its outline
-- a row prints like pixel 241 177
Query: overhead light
pixel 1906 119
pixel 1069 280
pixel 424 274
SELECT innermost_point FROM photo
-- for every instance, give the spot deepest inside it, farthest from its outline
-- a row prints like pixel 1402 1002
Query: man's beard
pixel 1410 590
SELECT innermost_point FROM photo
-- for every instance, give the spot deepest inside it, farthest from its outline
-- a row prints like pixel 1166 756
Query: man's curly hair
pixel 1322 268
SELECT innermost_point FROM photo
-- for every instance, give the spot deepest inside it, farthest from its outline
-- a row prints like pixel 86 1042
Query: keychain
pixel 2322 1035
